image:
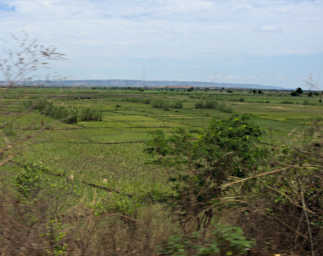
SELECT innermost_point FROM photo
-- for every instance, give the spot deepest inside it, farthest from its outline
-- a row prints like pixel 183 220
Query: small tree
pixel 299 90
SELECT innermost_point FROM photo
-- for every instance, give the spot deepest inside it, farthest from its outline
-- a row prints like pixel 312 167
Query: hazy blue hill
pixel 140 83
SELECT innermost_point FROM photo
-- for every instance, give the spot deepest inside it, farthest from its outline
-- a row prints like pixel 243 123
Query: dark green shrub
pixel 138 100
pixel 199 105
pixel 28 182
pixel 200 165
pixel 299 90
pixel 286 102
pixel 223 240
pixel 160 104
pixel 72 117
pixel 224 108
pixel 147 101
pixel 177 105
pixel 88 114
pixel 8 129
pixel 66 115
pixel 206 104
pixel 213 105
pixel 210 105
pixel 28 104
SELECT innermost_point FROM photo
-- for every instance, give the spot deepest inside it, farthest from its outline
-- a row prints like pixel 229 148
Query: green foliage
pixel 28 182
pixel 286 102
pixel 9 129
pixel 28 104
pixel 56 235
pixel 206 105
pixel 223 240
pixel 299 90
pixel 66 115
pixel 294 94
pixel 160 104
pixel 202 164
pixel 62 113
pixel 213 105
pixel 177 105
pixel 88 114
pixel 138 100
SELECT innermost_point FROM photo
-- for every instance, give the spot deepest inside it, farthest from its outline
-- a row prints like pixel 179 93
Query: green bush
pixel 8 129
pixel 62 113
pixel 138 100
pixel 213 105
pixel 201 164
pixel 206 104
pixel 177 105
pixel 66 115
pixel 223 240
pixel 286 102
pixel 160 104
pixel 28 182
pixel 224 108
pixel 88 114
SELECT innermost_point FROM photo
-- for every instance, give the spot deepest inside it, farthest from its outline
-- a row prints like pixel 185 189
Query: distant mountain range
pixel 140 83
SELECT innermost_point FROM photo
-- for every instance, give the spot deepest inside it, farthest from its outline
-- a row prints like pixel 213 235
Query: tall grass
pixel 65 114
pixel 213 105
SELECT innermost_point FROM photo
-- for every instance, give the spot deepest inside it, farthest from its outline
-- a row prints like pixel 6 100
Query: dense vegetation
pixel 160 172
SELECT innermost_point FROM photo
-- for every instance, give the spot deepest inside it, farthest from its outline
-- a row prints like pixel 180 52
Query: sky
pixel 272 42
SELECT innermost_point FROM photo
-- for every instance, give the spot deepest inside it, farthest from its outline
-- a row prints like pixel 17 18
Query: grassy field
pixel 113 148
pixel 110 153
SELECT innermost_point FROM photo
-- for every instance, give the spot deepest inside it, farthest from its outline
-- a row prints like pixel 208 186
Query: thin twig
pixel 307 220
pixel 254 177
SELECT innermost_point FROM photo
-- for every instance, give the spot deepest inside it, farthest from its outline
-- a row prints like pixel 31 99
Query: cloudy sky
pixel 275 42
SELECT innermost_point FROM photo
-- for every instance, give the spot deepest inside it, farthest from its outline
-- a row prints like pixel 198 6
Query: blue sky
pixel 277 42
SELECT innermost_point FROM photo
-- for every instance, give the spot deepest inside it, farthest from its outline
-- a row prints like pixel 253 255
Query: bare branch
pixel 24 58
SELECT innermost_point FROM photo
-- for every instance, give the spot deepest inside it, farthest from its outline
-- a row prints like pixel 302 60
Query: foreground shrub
pixel 201 165
pixel 276 192
pixel 222 240
pixel 28 182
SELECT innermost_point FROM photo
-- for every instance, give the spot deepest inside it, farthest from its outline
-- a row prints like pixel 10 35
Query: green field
pixel 110 153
